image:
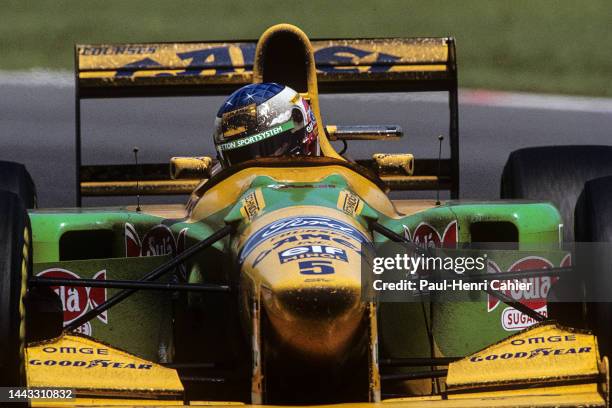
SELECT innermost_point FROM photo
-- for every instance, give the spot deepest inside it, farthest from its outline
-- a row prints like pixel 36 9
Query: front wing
pixel 546 365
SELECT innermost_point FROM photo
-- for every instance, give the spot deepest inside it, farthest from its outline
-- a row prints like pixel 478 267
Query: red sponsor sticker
pixel 566 262
pixel 132 241
pixel 427 236
pixel 534 297
pixel 158 240
pixel 76 301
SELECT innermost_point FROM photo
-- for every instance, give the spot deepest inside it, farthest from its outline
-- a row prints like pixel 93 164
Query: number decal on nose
pixel 316 267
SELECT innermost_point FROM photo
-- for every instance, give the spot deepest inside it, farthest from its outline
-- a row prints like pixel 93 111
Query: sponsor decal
pixel 118 50
pixel 90 364
pixel 317 280
pixel 426 235
pixel 349 203
pixel 310 127
pixel 311 130
pixel 95 366
pixel 539 352
pixel 344 55
pixel 312 251
pixel 407 234
pixel 132 241
pixel 76 301
pixel 217 59
pixel 84 329
pixel 158 240
pixel 252 204
pixel 544 339
pixel 75 350
pixel 534 297
pixel 549 345
pixel 319 222
pixel 319 225
pixel 308 236
pixel 258 137
pixel 513 320
pixel 566 262
pixel 316 268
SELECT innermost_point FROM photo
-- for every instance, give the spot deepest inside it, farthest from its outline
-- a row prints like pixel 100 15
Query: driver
pixel 262 120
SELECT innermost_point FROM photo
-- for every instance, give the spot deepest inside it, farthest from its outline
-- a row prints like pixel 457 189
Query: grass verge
pixel 528 45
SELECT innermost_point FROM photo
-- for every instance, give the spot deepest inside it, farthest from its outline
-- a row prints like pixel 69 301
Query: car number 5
pixel 316 267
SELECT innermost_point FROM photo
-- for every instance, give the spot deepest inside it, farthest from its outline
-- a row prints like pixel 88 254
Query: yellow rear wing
pixel 218 68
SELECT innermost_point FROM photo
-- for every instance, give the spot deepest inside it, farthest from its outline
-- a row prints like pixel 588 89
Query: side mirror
pixel 393 164
pixel 190 167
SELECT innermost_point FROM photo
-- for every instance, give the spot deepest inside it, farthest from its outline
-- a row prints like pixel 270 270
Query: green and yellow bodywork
pixel 253 202
pixel 293 260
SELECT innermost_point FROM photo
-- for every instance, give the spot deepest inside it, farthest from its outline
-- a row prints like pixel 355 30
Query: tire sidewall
pixel 15 268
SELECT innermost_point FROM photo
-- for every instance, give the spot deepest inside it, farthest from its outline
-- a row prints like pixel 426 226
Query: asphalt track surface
pixel 37 129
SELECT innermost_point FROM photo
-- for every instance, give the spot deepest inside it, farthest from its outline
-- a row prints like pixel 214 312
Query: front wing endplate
pixel 94 369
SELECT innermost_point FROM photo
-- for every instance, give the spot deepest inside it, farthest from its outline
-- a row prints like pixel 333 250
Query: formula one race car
pixel 252 291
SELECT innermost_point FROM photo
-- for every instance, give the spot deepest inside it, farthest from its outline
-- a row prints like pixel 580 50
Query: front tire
pixel 15 267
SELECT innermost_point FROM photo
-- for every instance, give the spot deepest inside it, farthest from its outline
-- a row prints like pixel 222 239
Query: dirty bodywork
pixel 270 309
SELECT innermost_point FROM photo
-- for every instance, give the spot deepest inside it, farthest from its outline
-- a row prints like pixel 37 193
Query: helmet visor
pixel 277 141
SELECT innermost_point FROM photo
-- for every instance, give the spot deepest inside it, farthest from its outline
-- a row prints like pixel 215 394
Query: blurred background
pixel 560 46
pixel 553 56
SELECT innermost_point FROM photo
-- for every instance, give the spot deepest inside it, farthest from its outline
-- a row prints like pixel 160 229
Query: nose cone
pixel 308 268
pixel 318 322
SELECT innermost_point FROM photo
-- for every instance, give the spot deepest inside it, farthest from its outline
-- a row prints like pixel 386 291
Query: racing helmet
pixel 266 119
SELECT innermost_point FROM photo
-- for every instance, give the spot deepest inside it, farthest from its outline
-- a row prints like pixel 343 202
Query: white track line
pixel 518 100
pixel 535 101
pixel 467 97
pixel 37 77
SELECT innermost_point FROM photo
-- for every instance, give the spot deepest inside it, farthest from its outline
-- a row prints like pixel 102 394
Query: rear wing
pixel 218 68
